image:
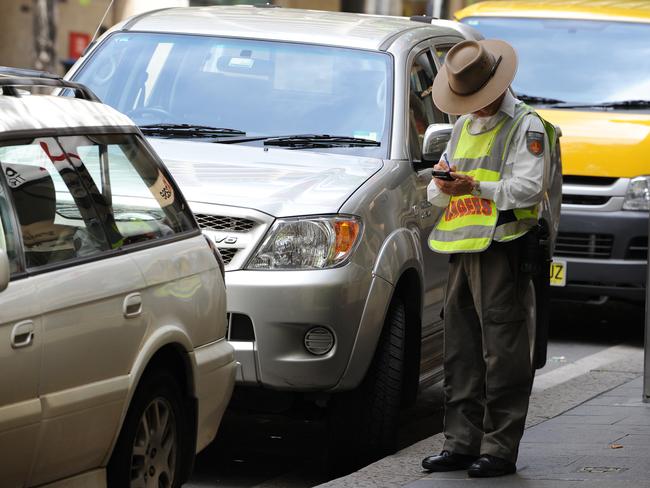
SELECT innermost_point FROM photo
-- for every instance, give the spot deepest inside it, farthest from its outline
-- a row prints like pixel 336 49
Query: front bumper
pixel 283 306
pixel 622 274
pixel 214 381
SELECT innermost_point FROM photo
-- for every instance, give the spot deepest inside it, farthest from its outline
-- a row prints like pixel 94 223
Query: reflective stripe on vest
pixel 469 223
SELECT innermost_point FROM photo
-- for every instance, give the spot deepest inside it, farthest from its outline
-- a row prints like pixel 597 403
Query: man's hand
pixel 442 166
pixel 461 184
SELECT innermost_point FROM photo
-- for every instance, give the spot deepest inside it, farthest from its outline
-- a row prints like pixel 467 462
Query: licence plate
pixel 558 272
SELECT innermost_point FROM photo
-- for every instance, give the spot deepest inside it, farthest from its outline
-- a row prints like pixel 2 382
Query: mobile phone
pixel 443 175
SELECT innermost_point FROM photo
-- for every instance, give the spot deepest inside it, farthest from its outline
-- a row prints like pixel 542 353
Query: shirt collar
pixel 508 104
pixel 507 107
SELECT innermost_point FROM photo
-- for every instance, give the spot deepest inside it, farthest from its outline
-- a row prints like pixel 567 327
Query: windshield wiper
pixel 631 104
pixel 188 131
pixel 309 141
pixel 537 100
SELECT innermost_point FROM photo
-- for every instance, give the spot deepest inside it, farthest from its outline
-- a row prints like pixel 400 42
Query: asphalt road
pixel 274 451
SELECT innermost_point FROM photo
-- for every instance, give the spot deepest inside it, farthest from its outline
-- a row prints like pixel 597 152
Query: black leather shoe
pixel 447 461
pixel 490 466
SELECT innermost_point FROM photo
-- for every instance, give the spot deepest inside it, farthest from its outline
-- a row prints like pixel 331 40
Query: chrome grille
pixel 576 245
pixel 227 253
pixel 222 222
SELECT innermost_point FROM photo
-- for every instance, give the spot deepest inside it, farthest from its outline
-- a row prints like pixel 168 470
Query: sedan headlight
pixel 638 194
pixel 308 243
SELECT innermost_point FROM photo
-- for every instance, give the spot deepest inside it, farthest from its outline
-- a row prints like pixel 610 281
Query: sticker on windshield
pixel 241 63
pixel 361 134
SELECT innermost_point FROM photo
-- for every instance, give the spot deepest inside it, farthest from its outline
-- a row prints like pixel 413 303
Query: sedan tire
pixel 149 450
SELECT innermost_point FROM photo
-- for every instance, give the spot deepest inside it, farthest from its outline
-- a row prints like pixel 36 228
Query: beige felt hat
pixel 474 75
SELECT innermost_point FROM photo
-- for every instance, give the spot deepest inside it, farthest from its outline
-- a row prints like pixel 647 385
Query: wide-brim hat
pixel 475 74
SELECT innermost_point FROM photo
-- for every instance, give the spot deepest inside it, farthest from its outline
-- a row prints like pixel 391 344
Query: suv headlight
pixel 308 243
pixel 638 194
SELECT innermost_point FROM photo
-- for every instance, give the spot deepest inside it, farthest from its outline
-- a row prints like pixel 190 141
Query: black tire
pixel 364 422
pixel 158 392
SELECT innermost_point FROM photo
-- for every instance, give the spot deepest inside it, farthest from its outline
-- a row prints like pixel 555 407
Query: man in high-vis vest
pixel 498 158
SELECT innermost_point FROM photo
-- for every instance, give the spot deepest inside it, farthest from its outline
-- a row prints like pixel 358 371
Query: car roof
pixel 35 112
pixel 294 25
pixel 619 10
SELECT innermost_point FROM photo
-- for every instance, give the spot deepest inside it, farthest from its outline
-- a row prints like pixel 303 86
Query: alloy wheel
pixel 153 458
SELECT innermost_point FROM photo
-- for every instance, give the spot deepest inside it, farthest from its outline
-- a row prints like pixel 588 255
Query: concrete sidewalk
pixel 590 431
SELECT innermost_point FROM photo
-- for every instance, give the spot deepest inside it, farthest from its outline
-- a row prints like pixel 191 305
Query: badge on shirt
pixel 535 143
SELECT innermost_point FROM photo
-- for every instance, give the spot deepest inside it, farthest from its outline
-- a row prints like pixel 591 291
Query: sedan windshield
pixel 581 62
pixel 256 88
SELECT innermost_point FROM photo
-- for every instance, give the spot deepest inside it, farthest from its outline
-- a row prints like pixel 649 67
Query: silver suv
pixel 298 137
pixel 112 304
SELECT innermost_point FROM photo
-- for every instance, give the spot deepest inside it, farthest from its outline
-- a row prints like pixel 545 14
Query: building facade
pixel 51 34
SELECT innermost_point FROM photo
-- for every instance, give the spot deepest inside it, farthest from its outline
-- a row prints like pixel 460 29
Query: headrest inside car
pixel 32 188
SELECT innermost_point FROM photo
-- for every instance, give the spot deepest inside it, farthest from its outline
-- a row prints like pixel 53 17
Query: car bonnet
pixel 279 182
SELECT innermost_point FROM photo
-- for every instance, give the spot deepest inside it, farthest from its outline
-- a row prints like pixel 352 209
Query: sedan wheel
pixel 156 446
pixel 153 462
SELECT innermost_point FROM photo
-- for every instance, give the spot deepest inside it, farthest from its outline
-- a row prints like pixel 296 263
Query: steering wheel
pixel 142 114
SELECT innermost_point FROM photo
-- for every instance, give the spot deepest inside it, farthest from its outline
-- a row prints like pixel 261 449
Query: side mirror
pixel 4 270
pixel 435 141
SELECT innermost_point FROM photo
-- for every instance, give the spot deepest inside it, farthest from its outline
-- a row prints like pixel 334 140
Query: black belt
pixel 506 216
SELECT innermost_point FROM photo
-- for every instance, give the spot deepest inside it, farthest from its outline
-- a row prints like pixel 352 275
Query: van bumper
pixel 214 382
pixel 620 275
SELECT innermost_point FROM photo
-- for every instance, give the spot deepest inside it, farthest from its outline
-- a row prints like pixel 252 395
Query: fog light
pixel 319 341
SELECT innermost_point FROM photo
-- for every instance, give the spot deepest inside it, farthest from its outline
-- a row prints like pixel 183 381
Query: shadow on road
pixel 609 324
pixel 280 451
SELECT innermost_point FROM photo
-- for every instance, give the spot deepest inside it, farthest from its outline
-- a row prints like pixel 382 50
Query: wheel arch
pixel 373 321
pixel 400 256
pixel 169 348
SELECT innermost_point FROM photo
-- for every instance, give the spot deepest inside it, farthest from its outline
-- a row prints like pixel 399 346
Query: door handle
pixel 22 335
pixel 132 306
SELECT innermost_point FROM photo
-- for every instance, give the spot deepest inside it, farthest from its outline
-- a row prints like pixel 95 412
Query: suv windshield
pixel 576 61
pixel 261 88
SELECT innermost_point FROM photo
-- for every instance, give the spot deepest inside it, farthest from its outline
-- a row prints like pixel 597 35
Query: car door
pixel 20 358
pixel 421 114
pixel 88 342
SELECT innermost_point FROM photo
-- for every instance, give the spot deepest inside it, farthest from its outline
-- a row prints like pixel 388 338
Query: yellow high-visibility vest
pixel 469 223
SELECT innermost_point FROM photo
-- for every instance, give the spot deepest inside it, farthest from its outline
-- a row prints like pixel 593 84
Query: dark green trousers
pixel 488 373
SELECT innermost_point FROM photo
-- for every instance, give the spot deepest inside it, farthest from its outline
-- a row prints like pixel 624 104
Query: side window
pixel 422 111
pixel 7 232
pixel 134 198
pixel 56 217
pixel 441 53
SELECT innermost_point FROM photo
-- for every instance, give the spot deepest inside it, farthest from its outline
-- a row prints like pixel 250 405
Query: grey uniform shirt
pixel 525 176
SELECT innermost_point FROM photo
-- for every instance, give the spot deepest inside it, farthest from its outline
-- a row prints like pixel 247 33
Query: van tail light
pixel 217 256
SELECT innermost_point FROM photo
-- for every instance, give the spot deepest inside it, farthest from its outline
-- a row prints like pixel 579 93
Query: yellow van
pixel 585 65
